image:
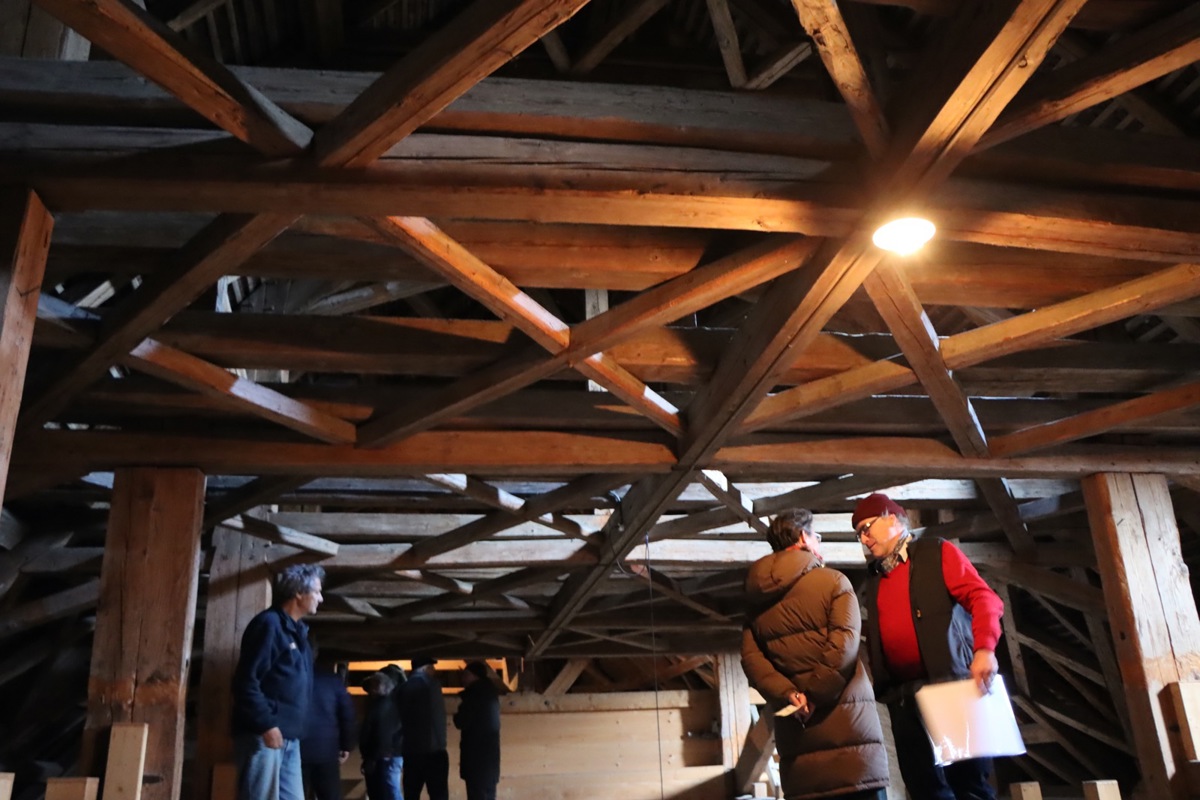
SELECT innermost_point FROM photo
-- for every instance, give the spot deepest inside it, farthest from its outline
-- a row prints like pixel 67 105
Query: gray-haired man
pixel 271 689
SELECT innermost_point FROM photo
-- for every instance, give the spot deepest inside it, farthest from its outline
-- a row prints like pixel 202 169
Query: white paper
pixel 963 724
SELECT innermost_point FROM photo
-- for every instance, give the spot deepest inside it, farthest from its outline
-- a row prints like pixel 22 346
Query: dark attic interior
pixel 522 318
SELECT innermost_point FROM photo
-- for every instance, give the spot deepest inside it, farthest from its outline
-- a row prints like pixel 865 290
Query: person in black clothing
pixel 423 715
pixel 272 685
pixel 478 717
pixel 330 734
pixel 381 739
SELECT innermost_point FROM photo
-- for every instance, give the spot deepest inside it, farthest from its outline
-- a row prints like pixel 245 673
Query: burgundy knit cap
pixel 875 505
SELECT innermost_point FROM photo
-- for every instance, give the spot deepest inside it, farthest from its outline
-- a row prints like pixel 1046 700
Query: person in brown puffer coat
pixel 800 648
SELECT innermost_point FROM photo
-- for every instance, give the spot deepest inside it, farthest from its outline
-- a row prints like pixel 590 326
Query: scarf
pixel 895 558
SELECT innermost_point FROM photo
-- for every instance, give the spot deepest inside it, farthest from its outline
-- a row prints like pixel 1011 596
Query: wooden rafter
pixel 825 24
pixel 480 40
pixel 133 36
pixel 1139 58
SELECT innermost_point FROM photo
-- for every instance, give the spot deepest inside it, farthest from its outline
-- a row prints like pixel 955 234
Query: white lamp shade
pixel 904 236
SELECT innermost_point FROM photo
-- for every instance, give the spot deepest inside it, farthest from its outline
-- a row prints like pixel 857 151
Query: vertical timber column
pixel 734 692
pixel 25 228
pixel 143 643
pixel 1155 627
pixel 239 587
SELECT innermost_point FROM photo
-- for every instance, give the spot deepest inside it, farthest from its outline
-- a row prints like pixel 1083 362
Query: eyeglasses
pixel 814 535
pixel 864 527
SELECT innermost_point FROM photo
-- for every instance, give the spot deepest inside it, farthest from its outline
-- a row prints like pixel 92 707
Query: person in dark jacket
pixel 330 734
pixel 800 649
pixel 381 739
pixel 272 685
pixel 478 717
pixel 930 618
pixel 423 716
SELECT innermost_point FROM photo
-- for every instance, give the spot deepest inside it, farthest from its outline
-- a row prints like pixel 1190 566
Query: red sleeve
pixel 973 594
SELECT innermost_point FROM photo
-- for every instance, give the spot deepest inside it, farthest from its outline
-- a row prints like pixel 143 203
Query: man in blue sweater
pixel 271 689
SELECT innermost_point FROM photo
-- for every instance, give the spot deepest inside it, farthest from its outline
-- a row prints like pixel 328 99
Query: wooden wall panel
pixel 598 747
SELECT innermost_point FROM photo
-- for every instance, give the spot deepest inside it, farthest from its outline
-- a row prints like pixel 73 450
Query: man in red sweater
pixel 930 618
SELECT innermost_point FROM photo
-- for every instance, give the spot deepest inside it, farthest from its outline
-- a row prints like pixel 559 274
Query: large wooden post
pixel 1155 627
pixel 143 642
pixel 25 227
pixel 239 587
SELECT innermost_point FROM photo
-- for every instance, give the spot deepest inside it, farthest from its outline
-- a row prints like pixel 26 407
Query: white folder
pixel 962 723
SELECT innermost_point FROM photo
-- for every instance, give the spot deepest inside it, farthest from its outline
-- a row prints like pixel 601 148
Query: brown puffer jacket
pixel 802 634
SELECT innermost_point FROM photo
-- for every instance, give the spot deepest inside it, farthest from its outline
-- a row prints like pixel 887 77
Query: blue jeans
pixel 383 778
pixel 267 774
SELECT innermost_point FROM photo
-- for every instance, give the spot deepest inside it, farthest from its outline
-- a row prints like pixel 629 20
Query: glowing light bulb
pixel 904 236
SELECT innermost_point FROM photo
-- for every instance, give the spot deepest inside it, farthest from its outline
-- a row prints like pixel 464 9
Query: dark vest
pixel 944 634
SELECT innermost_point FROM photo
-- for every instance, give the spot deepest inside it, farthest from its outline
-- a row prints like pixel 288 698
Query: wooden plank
pixel 727 41
pixel 1151 611
pixel 217 250
pixel 442 67
pixel 753 760
pixel 47 609
pixel 25 227
pixel 7 779
pixel 633 17
pixel 897 303
pixel 126 761
pixel 143 643
pixel 1185 696
pixel 1025 791
pixel 778 65
pixel 734 694
pixel 478 280
pixel 274 532
pixel 1100 420
pixel 823 21
pixel 550 453
pixel 255 493
pixel 566 677
pixel 684 295
pixel 238 588
pixel 1101 790
pixel 72 788
pixel 1145 55
pixel 184 369
pixel 133 36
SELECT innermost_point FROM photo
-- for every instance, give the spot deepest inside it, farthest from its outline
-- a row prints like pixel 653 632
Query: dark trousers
pixel 963 780
pixel 481 790
pixel 427 770
pixel 322 780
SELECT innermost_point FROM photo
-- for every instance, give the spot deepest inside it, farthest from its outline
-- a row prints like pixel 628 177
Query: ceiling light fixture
pixel 904 236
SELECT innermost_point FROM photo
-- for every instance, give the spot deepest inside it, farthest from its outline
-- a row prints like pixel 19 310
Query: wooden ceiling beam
pixel 992 341
pixel 133 36
pixel 256 492
pixel 634 16
pixel 217 250
pixel 459 267
pixel 662 304
pixel 1098 421
pixel 1106 226
pixel 823 21
pixel 444 66
pixel 897 303
pixel 727 42
pixel 1159 49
